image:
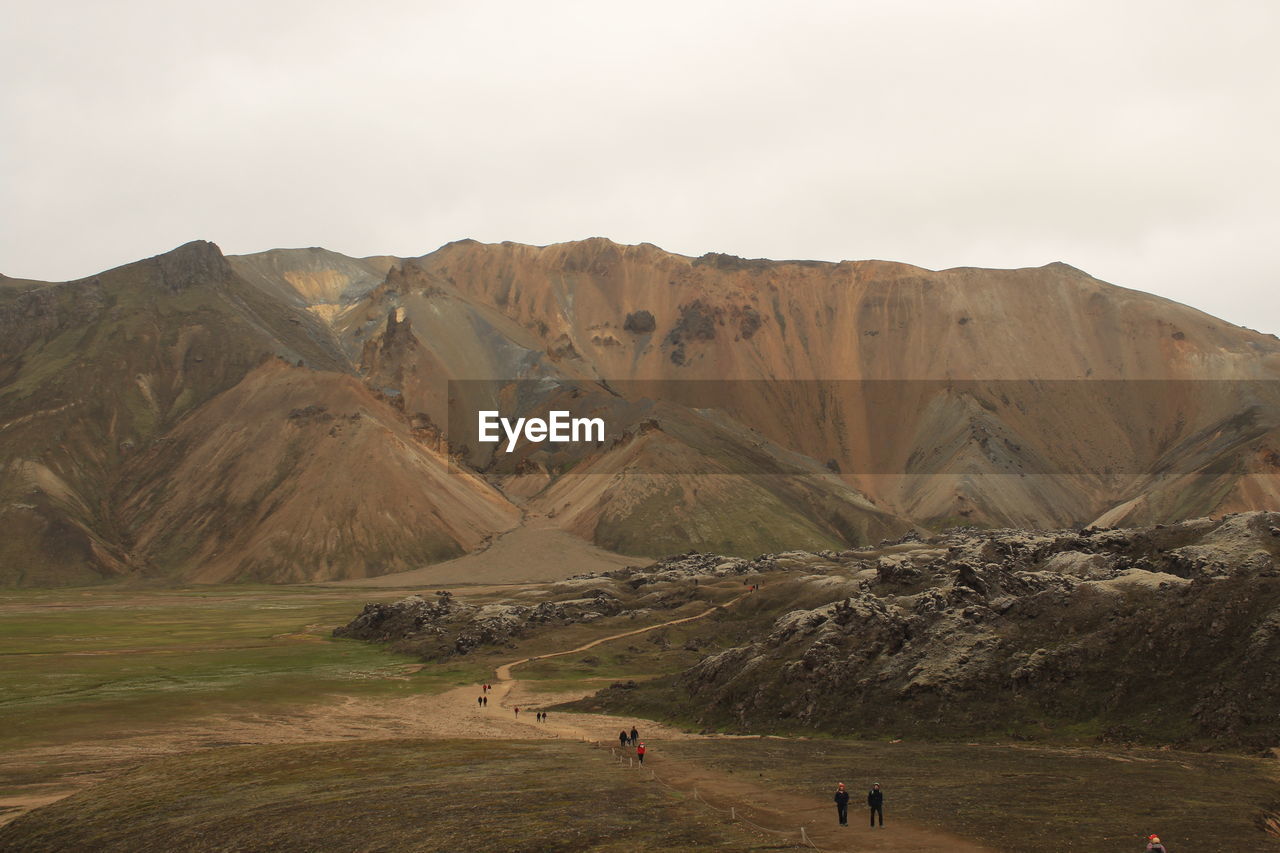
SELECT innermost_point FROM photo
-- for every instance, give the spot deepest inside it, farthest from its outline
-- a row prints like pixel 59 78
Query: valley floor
pixel 695 790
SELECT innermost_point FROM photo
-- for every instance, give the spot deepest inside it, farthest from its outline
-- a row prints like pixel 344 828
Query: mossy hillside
pixel 743 520
pixel 1140 657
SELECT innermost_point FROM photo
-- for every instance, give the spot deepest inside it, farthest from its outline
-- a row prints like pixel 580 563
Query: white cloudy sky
pixel 1135 140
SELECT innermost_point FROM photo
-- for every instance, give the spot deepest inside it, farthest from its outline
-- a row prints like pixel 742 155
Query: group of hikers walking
pixel 483 701
pixel 875 802
pixel 540 715
pixel 632 738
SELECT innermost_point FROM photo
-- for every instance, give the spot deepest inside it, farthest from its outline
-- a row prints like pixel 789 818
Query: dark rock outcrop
pixel 1169 634
pixel 639 322
pixel 443 627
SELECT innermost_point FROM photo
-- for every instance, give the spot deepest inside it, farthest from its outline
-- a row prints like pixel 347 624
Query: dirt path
pixel 776 812
pixel 456 714
pixel 504 671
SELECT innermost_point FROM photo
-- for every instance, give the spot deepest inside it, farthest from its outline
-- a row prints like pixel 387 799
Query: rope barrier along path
pixel 732 811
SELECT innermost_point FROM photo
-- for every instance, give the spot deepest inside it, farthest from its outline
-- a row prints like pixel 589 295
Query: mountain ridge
pixel 98 373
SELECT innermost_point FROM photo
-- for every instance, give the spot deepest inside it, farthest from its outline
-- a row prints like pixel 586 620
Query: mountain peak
pixel 1063 266
pixel 192 264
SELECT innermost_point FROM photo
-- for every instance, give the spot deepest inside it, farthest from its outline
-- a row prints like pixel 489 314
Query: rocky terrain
pixel 436 626
pixel 439 627
pixel 1167 633
pixel 285 416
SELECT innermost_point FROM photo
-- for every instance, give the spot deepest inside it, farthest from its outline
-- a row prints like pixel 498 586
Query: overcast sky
pixel 1135 140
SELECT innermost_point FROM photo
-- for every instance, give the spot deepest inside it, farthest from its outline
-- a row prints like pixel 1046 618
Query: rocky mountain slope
pixel 1165 633
pixel 287 415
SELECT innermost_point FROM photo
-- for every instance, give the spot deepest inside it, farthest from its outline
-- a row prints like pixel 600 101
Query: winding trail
pixel 503 673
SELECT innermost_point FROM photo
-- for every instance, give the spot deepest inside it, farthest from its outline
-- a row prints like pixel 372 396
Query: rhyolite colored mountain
pixel 285 416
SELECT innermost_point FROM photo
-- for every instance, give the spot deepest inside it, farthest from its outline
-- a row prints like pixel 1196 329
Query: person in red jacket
pixel 640 752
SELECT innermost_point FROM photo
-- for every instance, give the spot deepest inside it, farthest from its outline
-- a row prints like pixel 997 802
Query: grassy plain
pixel 379 795
pixel 79 664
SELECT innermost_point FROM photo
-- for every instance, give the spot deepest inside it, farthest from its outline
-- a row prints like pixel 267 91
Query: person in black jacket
pixel 875 801
pixel 842 804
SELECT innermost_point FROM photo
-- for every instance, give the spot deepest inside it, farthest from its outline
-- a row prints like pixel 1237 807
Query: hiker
pixel 1153 844
pixel 479 700
pixel 875 801
pixel 635 736
pixel 484 701
pixel 640 753
pixel 842 804
pixel 517 710
pixel 622 739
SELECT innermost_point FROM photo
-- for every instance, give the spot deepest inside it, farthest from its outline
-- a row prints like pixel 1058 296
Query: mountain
pixel 170 418
pixel 302 415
